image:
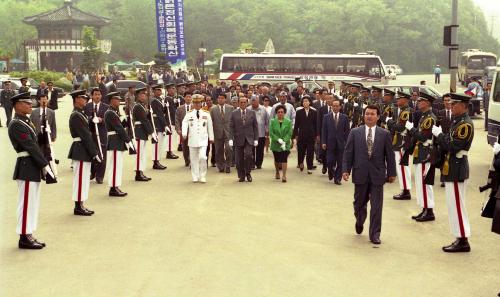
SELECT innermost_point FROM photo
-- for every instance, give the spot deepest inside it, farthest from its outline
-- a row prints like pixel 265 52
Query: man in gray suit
pixel 221 115
pixel 180 113
pixel 244 135
pixel 368 153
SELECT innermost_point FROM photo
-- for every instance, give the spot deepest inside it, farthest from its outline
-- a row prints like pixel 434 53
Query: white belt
pixel 427 142
pixel 137 123
pixel 23 154
pixel 111 133
pixel 461 153
pixel 76 139
pixel 154 116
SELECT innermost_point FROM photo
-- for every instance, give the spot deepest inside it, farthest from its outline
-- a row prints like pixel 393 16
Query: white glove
pixel 130 145
pixel 164 133
pixel 230 142
pixel 496 148
pixel 355 104
pixel 255 143
pixel 345 100
pixel 48 170
pixel 283 146
pixel 387 119
pixel 97 158
pixel 95 120
pixel 436 130
pixel 168 129
pixel 155 137
pixel 280 141
pixel 408 125
pixel 47 129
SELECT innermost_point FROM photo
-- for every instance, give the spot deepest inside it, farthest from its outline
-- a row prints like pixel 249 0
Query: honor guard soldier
pixel 82 152
pixel 376 95
pixel 455 170
pixel 400 143
pixel 24 85
pixel 170 107
pixel 5 95
pixel 386 107
pixel 160 124
pixel 143 130
pixel 198 130
pixel 118 141
pixel 28 172
pixel 422 143
pixel 350 104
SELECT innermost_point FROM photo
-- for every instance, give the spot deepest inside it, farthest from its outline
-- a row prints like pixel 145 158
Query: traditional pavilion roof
pixel 66 14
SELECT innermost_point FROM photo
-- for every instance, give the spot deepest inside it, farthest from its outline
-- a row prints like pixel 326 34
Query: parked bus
pixel 494 109
pixel 472 63
pixel 366 68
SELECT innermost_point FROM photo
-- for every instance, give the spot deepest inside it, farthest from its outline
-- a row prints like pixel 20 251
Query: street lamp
pixel 202 50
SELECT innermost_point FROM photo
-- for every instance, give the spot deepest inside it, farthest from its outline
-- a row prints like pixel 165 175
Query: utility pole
pixel 453 50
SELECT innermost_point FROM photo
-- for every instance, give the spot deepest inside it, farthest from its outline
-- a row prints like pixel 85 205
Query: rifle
pixel 49 152
pixel 97 135
pixel 131 151
pixel 155 134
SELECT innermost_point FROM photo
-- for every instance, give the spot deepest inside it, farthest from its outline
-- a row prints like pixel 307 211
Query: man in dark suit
pixel 103 89
pixel 368 153
pixel 243 135
pixel 304 133
pixel 113 87
pixel 221 114
pixel 52 95
pixel 95 111
pixel 5 95
pixel 445 119
pixel 325 109
pixel 334 135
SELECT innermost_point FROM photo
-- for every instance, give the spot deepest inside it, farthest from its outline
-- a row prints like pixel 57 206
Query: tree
pixel 161 61
pixel 92 54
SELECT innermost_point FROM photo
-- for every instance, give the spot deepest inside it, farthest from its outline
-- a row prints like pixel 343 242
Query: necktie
pixel 369 142
pixel 329 110
pixel 222 111
pixel 197 114
pixel 243 116
pixel 448 115
pixel 336 119
pixel 95 108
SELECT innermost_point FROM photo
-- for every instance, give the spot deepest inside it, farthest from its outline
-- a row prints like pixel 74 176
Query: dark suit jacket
pixel 305 126
pixel 321 114
pixel 240 132
pixel 89 112
pixel 376 169
pixel 52 104
pixel 334 136
pixel 444 121
pixel 50 116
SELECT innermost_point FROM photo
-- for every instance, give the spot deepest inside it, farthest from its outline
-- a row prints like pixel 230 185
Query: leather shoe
pixel 228 169
pixel 461 245
pixel 98 180
pixel 301 167
pixel 427 215
pixel 376 241
pixel 80 211
pixel 221 170
pixel 323 170
pixel 314 167
pixel 179 148
pixel 249 178
pixel 338 182
pixel 242 179
pixel 36 240
pixel 187 163
pixel 171 155
pixel 26 242
pixel 158 166
pixel 330 174
pixel 419 215
pixel 405 195
pixel 116 192
pixel 359 229
pixel 259 167
pixel 139 176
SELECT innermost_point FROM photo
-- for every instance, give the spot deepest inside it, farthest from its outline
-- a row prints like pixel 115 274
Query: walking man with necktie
pixel 368 154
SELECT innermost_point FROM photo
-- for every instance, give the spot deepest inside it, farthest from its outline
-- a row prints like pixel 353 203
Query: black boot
pixel 36 240
pixel 461 245
pixel 427 216
pixel 81 211
pixel 158 166
pixel 171 155
pixel 143 176
pixel 405 195
pixel 139 176
pixel 179 148
pixel 419 215
pixel 116 192
pixel 26 242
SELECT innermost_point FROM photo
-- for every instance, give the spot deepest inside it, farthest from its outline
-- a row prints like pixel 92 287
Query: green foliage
pixel 161 61
pixel 39 75
pixel 404 32
pixel 64 84
pixel 92 55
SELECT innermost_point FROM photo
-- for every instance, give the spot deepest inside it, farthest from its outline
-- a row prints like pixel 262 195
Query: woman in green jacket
pixel 280 133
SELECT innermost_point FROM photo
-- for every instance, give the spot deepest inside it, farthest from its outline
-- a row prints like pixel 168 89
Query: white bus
pixel 472 63
pixel 364 68
pixel 494 109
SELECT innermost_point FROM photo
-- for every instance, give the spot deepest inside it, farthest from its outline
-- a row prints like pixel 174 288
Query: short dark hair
pixel 188 93
pixel 222 95
pixel 280 107
pixel 94 90
pixel 372 106
pixel 306 98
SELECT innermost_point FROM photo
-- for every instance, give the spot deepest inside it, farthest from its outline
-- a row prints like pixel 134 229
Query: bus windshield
pixel 480 62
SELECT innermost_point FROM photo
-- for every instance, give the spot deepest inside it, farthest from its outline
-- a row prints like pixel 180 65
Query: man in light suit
pixel 180 113
pixel 368 153
pixel 335 131
pixel 244 135
pixel 221 115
